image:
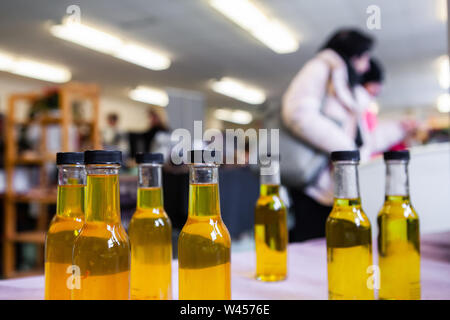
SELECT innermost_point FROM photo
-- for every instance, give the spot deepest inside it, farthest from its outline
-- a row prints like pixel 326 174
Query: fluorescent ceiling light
pixel 142 57
pixel 33 69
pixel 149 95
pixel 6 61
pixel 443 103
pixel 238 90
pixel 266 29
pixel 87 36
pixel 234 116
pixel 444 71
pixel 104 42
pixel 441 10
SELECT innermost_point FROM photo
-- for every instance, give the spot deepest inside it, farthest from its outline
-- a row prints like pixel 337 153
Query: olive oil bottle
pixel 65 225
pixel 150 233
pixel 204 243
pixel 271 232
pixel 398 234
pixel 348 234
pixel 101 251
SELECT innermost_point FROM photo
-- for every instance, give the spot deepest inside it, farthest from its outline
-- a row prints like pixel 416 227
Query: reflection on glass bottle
pixel 102 251
pixel 398 234
pixel 204 242
pixel 65 225
pixel 348 234
pixel 271 233
pixel 150 234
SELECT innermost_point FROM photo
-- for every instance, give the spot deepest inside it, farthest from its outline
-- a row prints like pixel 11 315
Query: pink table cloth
pixel 307 278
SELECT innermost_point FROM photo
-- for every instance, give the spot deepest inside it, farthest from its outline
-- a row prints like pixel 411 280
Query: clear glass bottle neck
pixel 204 190
pixel 346 181
pixel 150 195
pixel 71 183
pixel 397 181
pixel 203 173
pixel 71 175
pixel 270 175
pixel 102 193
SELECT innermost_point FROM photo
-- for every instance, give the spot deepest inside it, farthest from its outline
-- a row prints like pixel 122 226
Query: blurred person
pixel 324 108
pixel 112 137
pixel 372 81
pixel 155 138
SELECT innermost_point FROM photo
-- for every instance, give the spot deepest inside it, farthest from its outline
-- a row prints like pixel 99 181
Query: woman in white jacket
pixel 323 106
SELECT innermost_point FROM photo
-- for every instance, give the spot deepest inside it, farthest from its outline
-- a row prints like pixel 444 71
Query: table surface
pixel 307 277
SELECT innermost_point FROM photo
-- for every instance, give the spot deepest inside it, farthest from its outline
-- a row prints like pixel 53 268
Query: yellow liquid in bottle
pixel 102 251
pixel 150 234
pixel 349 252
pixel 64 228
pixel 204 248
pixel 399 250
pixel 271 235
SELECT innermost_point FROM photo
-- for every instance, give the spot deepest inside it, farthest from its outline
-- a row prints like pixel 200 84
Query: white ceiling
pixel 203 44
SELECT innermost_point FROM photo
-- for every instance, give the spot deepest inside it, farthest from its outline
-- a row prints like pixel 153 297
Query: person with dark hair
pixel 323 109
pixel 372 81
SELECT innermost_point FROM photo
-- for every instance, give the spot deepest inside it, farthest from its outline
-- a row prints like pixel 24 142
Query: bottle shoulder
pixel 59 224
pixel 113 233
pixel 273 202
pixel 212 228
pixel 402 209
pixel 354 214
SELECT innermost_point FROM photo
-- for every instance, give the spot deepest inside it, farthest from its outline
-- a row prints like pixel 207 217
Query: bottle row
pixel 89 255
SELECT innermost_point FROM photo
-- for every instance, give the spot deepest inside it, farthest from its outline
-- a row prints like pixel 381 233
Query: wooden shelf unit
pixel 68 94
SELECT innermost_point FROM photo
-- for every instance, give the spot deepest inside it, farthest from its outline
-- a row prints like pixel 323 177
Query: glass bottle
pixel 65 225
pixel 271 232
pixel 398 234
pixel 101 252
pixel 204 243
pixel 150 233
pixel 348 234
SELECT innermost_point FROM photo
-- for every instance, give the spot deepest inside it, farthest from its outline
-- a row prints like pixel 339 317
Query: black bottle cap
pixel 352 155
pixel 203 156
pixel 148 157
pixel 69 158
pixel 102 157
pixel 396 155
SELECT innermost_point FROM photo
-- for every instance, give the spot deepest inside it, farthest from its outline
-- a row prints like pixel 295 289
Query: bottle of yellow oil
pixel 271 232
pixel 101 253
pixel 65 225
pixel 204 243
pixel 150 233
pixel 348 235
pixel 398 234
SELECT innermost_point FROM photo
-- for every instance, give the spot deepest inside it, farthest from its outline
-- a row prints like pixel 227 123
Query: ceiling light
pixel 107 43
pixel 87 36
pixel 142 57
pixel 443 103
pixel 234 116
pixel 238 90
pixel 441 10
pixel 33 69
pixel 266 29
pixel 149 95
pixel 444 71
pixel 6 61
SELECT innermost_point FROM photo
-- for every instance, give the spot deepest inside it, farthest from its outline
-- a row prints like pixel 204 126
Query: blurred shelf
pixel 29 237
pixel 27 273
pixel 32 159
